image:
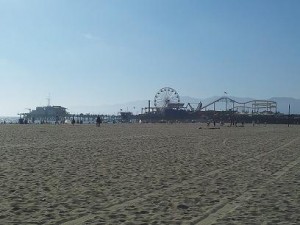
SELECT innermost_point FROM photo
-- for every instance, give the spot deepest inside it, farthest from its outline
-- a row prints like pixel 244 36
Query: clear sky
pixel 94 52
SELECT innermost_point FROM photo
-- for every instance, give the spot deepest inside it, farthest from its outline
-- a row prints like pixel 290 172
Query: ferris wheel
pixel 166 96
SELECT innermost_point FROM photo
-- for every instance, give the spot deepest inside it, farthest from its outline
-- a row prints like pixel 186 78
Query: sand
pixel 149 174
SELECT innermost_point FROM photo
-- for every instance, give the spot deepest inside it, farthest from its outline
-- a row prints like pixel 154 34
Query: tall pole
pixel 289 115
pixel 225 95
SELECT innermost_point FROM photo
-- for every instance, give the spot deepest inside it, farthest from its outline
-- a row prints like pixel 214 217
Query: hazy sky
pixel 94 52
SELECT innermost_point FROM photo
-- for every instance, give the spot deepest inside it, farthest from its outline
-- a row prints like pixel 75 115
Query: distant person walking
pixel 73 121
pixel 98 121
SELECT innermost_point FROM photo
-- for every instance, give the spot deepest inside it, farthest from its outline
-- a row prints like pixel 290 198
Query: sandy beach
pixel 149 174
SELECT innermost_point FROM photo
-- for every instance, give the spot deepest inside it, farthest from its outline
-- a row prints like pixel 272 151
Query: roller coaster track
pixel 259 103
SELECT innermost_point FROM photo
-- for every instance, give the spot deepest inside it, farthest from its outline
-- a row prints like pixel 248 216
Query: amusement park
pixel 167 107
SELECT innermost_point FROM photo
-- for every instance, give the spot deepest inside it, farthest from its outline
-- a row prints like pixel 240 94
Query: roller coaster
pixel 253 106
pixel 168 99
pixel 168 107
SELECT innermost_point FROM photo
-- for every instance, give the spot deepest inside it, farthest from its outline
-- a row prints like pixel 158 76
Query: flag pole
pixel 289 115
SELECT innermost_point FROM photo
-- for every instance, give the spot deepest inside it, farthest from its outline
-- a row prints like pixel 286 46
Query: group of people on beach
pixel 221 123
pixel 98 121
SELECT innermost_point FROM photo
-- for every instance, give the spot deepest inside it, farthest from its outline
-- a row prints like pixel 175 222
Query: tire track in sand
pixel 223 208
pixel 219 211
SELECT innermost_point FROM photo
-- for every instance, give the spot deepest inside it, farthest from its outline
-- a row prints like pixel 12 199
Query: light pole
pixel 289 115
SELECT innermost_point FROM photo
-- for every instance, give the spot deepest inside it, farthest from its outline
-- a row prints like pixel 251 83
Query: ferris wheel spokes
pixel 166 96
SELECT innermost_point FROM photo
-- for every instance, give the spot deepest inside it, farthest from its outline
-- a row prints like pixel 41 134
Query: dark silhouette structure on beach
pixel 167 107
